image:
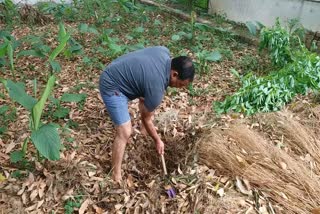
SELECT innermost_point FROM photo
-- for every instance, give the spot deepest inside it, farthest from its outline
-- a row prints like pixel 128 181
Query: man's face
pixel 176 82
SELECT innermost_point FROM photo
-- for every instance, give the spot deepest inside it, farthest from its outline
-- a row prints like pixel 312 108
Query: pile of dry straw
pixel 281 158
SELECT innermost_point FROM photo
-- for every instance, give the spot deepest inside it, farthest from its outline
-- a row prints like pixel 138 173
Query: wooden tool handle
pixel 164 165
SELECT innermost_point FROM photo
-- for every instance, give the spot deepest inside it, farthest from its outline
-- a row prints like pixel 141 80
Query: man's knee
pixel 125 130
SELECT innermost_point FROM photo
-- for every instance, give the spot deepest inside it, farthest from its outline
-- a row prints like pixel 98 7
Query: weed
pixel 204 57
pixel 226 53
pixel 38 47
pixel 60 11
pixel 248 63
pixel 172 91
pixel 71 204
pixel 57 111
pixel 196 92
pixel 7 49
pixel 7 115
pixel 17 174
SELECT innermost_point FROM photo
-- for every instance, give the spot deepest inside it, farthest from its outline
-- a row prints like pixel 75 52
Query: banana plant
pixel 45 137
pixel 63 38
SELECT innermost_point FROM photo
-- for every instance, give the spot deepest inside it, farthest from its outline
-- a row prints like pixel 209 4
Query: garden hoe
pixel 169 189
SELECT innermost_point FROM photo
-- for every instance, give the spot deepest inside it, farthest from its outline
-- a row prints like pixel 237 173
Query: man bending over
pixel 143 74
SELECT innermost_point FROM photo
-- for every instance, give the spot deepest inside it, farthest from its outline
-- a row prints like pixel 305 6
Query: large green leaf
pixel 253 27
pixel 73 97
pixel 213 56
pixel 60 47
pixel 38 108
pixel 31 53
pixel 17 93
pixel 47 141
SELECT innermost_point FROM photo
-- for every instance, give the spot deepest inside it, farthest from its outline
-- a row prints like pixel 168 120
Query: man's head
pixel 182 72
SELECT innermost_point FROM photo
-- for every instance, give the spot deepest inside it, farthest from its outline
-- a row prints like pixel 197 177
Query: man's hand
pixel 146 119
pixel 160 147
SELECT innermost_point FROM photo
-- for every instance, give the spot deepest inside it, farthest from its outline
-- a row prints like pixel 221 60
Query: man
pixel 143 74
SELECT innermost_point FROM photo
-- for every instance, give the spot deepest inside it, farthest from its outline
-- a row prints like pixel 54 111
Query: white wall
pixel 266 11
pixel 35 1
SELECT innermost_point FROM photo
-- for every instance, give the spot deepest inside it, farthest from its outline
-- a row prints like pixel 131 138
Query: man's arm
pixel 146 118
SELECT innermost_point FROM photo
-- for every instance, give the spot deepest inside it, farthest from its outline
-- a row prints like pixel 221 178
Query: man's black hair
pixel 184 66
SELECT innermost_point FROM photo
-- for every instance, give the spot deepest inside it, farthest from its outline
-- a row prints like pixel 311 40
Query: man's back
pixel 143 73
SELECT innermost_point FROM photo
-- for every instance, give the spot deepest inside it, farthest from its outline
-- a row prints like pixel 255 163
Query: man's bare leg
pixel 143 130
pixel 123 133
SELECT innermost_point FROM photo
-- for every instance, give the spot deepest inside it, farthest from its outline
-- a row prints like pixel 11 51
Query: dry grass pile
pixel 299 138
pixel 284 179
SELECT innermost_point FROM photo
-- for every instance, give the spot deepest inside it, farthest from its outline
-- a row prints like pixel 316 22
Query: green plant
pixel 45 137
pixel 203 59
pixel 9 11
pixel 181 35
pixel 191 6
pixel 281 42
pixel 113 48
pixel 277 41
pixel 295 28
pixel 17 174
pixel 299 75
pixel 38 48
pixel 60 11
pixel 71 204
pixel 57 111
pixel 254 26
pixel 63 38
pixel 196 92
pixel 7 115
pixel 227 53
pixel 248 63
pixel 7 49
pixel 72 48
pixel 137 32
pixel 85 28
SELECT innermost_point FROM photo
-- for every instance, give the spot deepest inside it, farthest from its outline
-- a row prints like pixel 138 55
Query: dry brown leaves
pixel 85 165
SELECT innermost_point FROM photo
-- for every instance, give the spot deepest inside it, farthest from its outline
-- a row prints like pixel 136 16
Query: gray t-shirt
pixel 142 73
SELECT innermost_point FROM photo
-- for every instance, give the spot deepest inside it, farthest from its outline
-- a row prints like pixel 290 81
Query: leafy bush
pixel 281 41
pixel 8 10
pixel 300 73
